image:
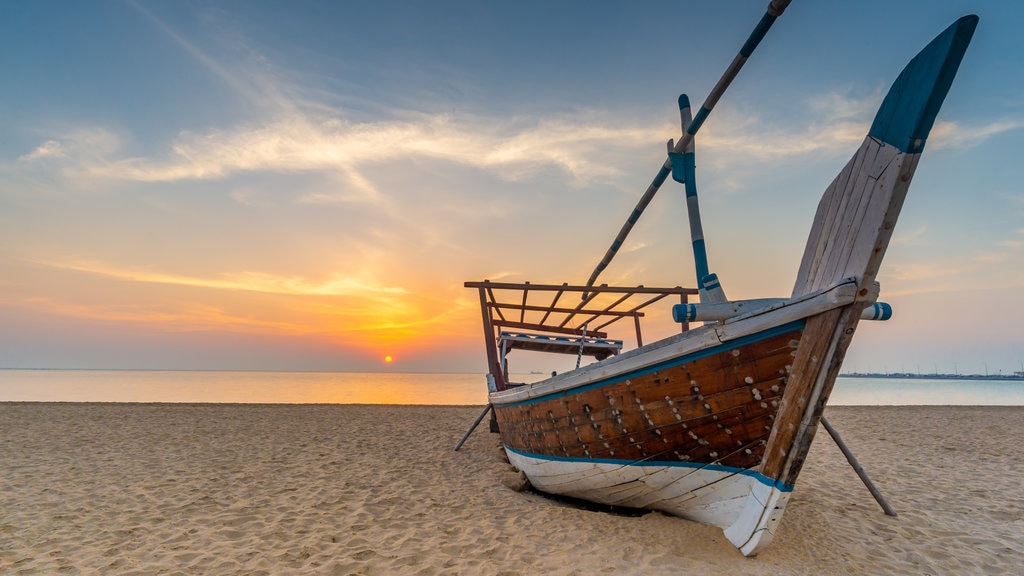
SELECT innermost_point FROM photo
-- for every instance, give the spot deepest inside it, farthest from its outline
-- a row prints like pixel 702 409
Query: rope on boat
pixel 583 341
pixel 775 9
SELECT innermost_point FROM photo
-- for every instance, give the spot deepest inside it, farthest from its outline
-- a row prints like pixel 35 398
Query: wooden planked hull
pixel 714 409
pixel 711 426
pixel 685 434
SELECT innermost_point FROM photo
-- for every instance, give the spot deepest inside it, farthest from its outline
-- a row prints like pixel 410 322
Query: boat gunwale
pixel 681 348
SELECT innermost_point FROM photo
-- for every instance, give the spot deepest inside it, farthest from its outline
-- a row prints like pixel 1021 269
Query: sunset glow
pixel 265 187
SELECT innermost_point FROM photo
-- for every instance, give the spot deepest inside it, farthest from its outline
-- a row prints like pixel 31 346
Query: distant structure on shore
pixel 1000 376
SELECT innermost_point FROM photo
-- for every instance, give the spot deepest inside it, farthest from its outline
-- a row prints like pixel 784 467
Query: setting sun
pixel 388 359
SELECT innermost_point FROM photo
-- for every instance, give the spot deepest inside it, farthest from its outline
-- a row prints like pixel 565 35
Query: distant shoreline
pixel 1016 377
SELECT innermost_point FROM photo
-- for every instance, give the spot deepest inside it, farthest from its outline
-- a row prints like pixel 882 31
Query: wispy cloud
pixel 352 305
pixel 335 285
pixel 578 146
pixel 955 134
pixel 913 237
pixel 584 147
pixel 295 134
pixel 186 317
pixel 999 266
pixel 48 149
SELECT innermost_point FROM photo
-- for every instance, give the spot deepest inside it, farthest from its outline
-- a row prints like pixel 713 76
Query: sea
pixel 408 388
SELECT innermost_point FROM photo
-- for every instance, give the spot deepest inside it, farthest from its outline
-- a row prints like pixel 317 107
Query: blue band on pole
pixel 660 178
pixel 757 35
pixel 684 313
pixel 702 115
pixel 690 171
pixel 678 166
pixel 700 258
pixel 883 311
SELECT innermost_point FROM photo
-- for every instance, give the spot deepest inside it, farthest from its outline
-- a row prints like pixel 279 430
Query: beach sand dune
pixel 354 489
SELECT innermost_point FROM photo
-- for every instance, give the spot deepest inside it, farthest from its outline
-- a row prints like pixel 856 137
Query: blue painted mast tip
pixel 684 101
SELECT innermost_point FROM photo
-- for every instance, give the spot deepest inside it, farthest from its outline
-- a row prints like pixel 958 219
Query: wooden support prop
pixel 476 423
pixel 857 468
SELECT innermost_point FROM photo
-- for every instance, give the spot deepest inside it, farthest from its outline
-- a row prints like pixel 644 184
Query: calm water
pixel 397 388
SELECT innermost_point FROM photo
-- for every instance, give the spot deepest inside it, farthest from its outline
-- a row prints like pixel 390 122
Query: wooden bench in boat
pixel 599 348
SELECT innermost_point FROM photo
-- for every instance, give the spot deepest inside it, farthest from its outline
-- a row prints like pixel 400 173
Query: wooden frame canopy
pixel 531 307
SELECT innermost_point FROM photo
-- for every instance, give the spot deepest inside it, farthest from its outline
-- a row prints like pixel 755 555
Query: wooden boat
pixel 711 424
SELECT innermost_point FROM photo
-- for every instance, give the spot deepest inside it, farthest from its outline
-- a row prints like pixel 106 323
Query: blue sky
pixel 306 185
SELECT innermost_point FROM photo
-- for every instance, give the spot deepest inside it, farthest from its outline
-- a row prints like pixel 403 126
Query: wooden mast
pixel 775 9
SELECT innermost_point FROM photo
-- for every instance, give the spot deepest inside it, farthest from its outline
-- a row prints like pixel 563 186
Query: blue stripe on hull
pixel 782 486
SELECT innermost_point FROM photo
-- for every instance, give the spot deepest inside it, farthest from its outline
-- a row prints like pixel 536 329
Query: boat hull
pixel 713 406
pixel 719 496
pixel 685 435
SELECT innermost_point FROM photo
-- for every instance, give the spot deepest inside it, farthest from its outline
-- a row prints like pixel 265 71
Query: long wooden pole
pixel 473 427
pixel 775 9
pixel 858 469
pixel 493 362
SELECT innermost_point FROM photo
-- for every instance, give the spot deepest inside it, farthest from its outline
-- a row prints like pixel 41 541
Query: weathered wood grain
pixel 716 409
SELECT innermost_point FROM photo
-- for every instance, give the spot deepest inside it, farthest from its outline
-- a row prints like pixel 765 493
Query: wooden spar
pixel 594 313
pixel 858 469
pixel 490 286
pixel 548 328
pixel 684 170
pixel 553 302
pixel 476 423
pixel 493 362
pixel 522 311
pixel 775 9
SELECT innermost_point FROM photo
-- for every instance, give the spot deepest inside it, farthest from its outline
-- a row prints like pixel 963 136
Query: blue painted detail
pixel 678 166
pixel 782 486
pixel 906 115
pixel 660 178
pixel 732 344
pixel 757 35
pixel 635 215
pixel 883 311
pixel 684 312
pixel 710 282
pixel 690 168
pixel 699 119
pixel 616 245
pixel 700 258
pixel 684 101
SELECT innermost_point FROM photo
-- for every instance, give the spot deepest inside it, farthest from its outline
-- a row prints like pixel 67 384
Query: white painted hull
pixel 744 504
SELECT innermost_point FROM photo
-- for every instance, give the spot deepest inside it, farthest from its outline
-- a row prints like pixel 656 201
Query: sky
pixel 253 185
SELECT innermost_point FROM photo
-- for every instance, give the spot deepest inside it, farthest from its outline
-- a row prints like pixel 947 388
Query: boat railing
pixel 542 319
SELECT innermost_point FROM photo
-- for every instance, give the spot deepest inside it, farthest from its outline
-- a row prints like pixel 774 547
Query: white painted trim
pixel 743 506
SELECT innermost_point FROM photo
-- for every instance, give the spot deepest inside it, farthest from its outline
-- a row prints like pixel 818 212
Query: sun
pixel 388 359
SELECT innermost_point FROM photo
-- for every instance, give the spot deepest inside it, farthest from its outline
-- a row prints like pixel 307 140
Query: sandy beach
pixel 356 489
